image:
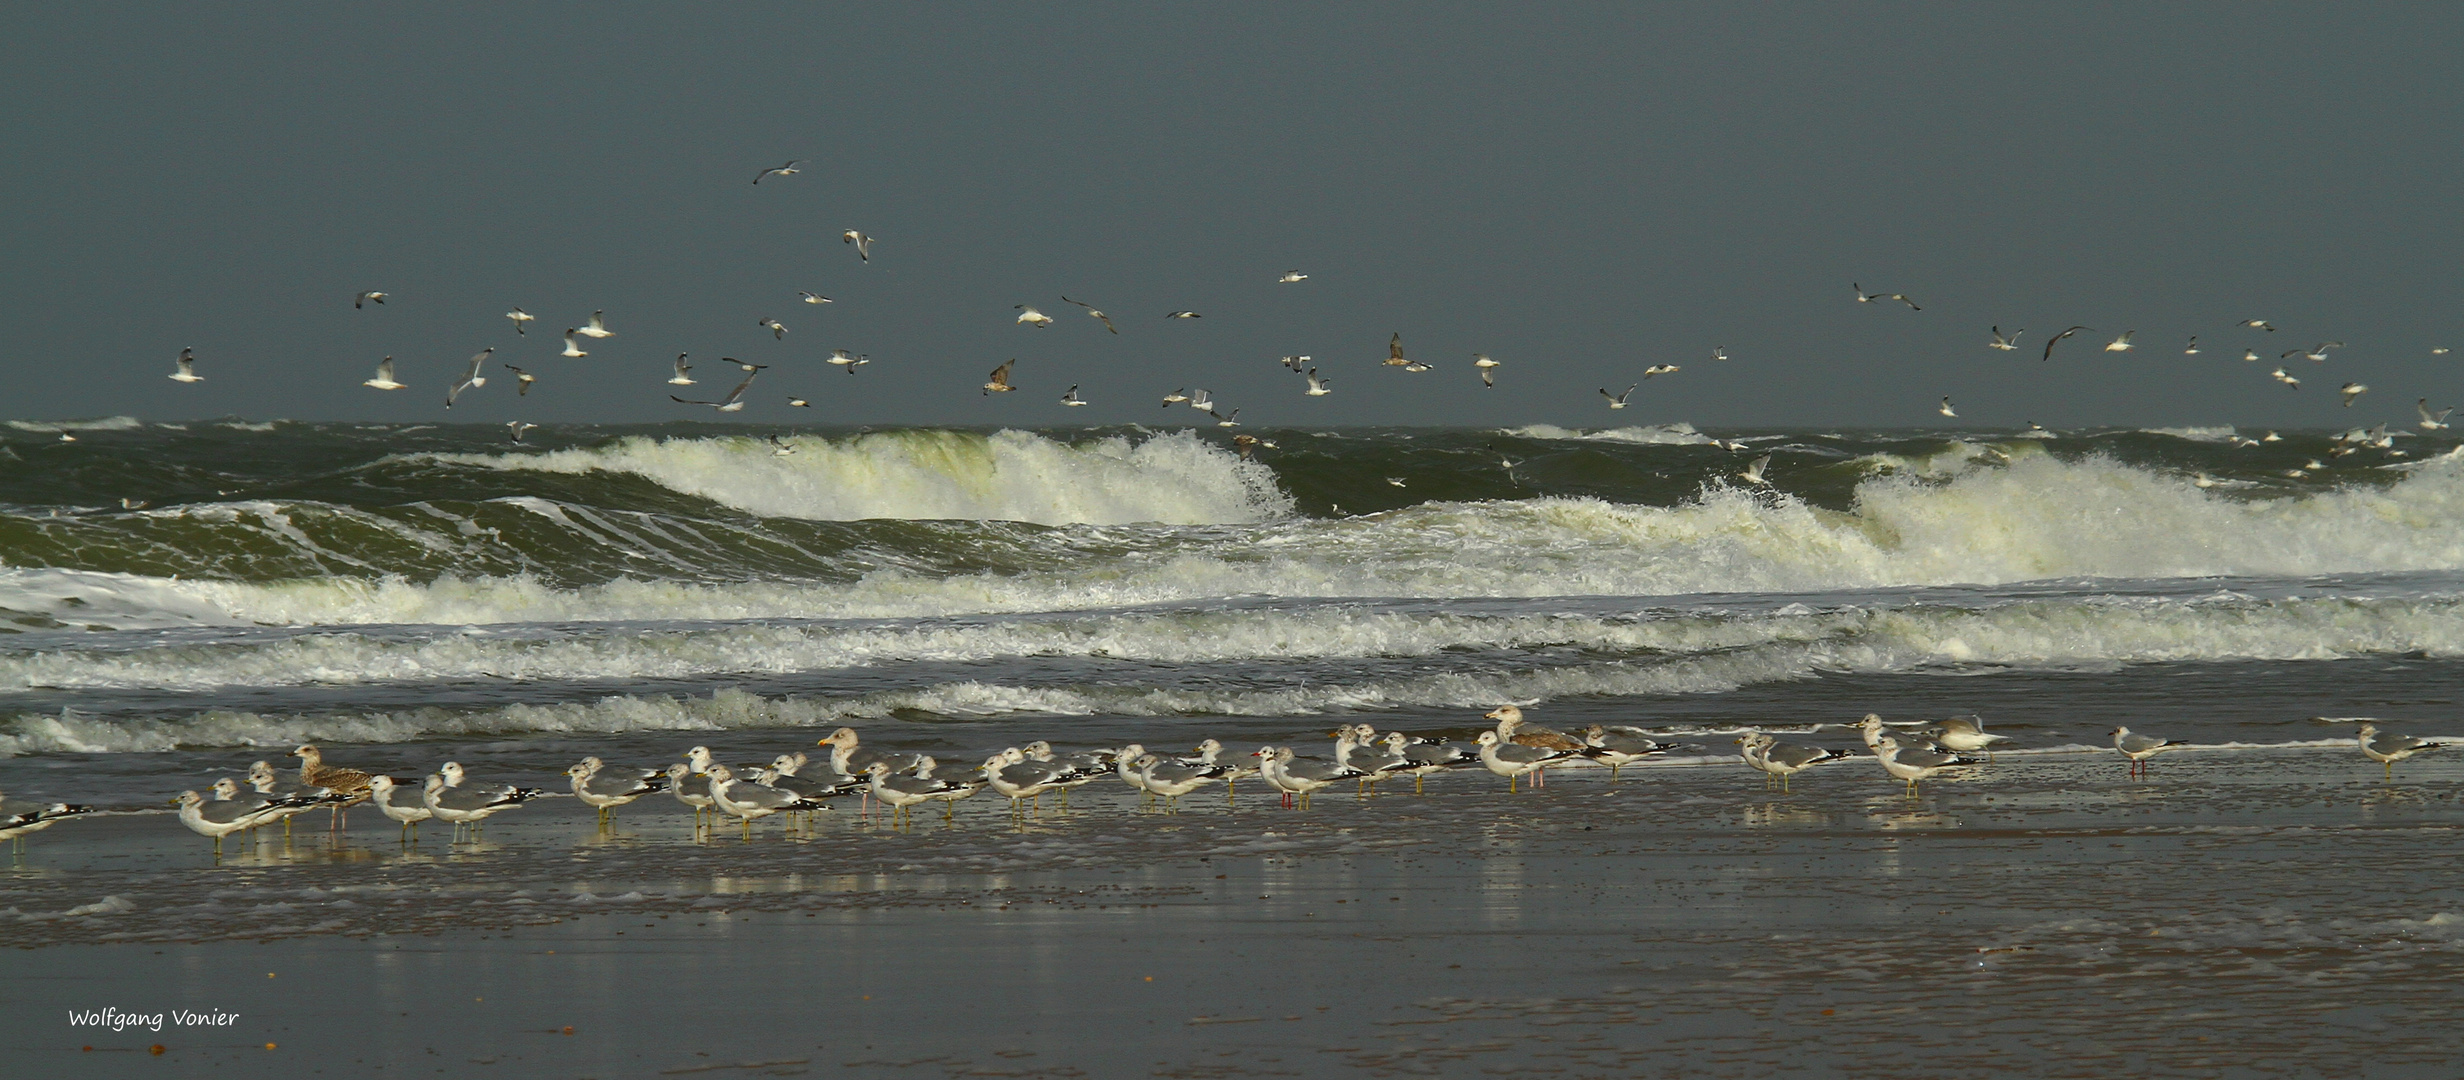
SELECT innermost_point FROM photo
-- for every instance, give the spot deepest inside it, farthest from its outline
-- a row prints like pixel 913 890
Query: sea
pixel 177 597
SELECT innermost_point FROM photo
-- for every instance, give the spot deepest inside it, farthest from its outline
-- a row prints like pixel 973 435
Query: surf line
pixel 117 1020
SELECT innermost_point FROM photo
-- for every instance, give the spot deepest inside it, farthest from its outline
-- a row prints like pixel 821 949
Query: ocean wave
pixel 1958 520
pixel 1676 434
pixel 1173 478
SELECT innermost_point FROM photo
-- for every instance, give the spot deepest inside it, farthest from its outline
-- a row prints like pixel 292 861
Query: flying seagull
pixel 851 363
pixel 1719 352
pixel 2120 344
pixel 778 330
pixel 1296 363
pixel 366 298
pixel 2193 348
pixel 788 169
pixel 739 363
pixel 2280 376
pixel 2005 344
pixel 799 403
pixel 784 447
pixel 384 376
pixel 2259 323
pixel 596 326
pixel 1031 316
pixel 680 378
pixel 733 402
pixel 1864 297
pixel 999 383
pixel 1317 386
pixel 572 347
pixel 188 367
pixel 2316 352
pixel 2431 421
pixel 2350 391
pixel 521 319
pixel 1753 473
pixel 1394 351
pixel 1106 319
pixel 1070 396
pixel 1182 315
pixel 1290 276
pixel 2249 355
pixel 1203 401
pixel 1221 420
pixel 1488 369
pixel 1617 401
pixel 814 297
pixel 863 243
pixel 526 378
pixel 2057 339
pixel 471 379
pixel 1661 369
pixel 1946 408
pixel 518 427
pixel 1176 397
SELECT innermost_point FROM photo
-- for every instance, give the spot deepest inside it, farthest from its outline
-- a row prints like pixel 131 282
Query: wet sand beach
pixel 2252 913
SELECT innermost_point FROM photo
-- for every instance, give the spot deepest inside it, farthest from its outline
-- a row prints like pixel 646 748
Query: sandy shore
pixel 2253 913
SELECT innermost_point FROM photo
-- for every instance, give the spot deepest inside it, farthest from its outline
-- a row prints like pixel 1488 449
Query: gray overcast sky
pixel 1579 191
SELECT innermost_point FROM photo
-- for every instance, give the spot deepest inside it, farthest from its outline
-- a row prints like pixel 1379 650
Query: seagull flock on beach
pixel 1485 367
pixel 797 784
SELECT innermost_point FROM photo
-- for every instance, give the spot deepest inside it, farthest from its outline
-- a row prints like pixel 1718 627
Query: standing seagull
pixel 1031 316
pixel 1753 473
pixel 1394 351
pixel 384 376
pixel 1946 408
pixel 778 330
pixel 2120 344
pixel 1291 276
pixel 1488 369
pixel 1106 319
pixel 1317 386
pixel 2389 748
pixel 788 169
pixel 1618 401
pixel 2057 339
pixel 188 371
pixel 595 326
pixel 1864 297
pixel 733 402
pixel 371 296
pixel 999 383
pixel 572 347
pixel 2352 390
pixel 520 319
pixel 2138 748
pixel 2005 344
pixel 680 378
pixel 517 427
pixel 526 379
pixel 471 379
pixel 1070 396
pixel 863 243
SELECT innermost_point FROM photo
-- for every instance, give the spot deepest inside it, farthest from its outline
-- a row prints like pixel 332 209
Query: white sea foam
pixel 2223 433
pixel 1690 654
pixel 108 423
pixel 1677 434
pixel 1173 478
